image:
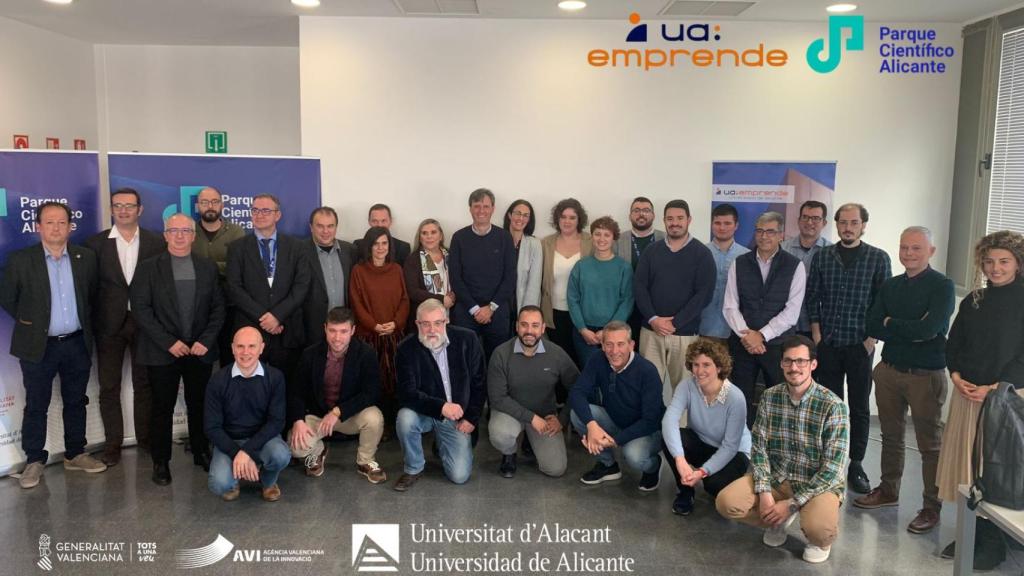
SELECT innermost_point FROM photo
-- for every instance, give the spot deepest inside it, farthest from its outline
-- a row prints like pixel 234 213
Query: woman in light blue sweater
pixel 715 445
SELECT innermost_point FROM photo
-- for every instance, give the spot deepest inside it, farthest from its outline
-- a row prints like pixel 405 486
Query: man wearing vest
pixel 764 292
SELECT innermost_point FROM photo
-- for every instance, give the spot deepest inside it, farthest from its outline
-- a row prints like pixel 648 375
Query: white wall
pixel 164 98
pixel 419 112
pixel 48 88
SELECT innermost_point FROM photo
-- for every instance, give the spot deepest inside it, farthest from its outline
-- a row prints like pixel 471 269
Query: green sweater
pixel 919 310
pixel 600 291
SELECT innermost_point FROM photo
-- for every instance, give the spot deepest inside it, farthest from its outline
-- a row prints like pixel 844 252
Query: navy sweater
pixel 239 408
pixel 635 404
pixel 677 284
pixel 482 269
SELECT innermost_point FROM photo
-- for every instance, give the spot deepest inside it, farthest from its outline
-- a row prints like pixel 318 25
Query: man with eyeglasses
pixel 119 250
pixel 617 402
pixel 764 292
pixel 268 279
pixel 806 244
pixel 441 388
pixel 179 308
pixel 799 446
pixel 630 246
pixel 212 237
pixel 843 282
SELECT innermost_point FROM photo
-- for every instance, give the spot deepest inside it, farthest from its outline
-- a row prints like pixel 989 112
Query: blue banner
pixel 170 183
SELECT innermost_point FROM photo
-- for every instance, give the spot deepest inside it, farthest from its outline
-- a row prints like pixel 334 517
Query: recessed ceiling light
pixel 59 1
pixel 306 3
pixel 842 8
pixel 572 5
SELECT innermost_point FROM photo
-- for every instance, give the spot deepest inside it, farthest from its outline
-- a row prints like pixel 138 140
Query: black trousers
pixel 110 350
pixel 164 380
pixel 851 364
pixel 697 453
pixel 562 332
pixel 747 366
pixel 491 335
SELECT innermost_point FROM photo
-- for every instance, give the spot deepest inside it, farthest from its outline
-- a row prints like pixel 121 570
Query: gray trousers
pixel 504 431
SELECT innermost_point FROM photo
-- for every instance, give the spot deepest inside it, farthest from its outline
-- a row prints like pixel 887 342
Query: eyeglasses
pixel 207 203
pixel 799 362
pixel 179 231
pixel 263 211
pixel 642 211
pixel 815 219
pixel 428 324
pixel 763 232
pixel 519 214
pixel 121 206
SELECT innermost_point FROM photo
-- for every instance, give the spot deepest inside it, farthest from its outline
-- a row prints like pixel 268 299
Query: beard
pixel 432 342
pixel 848 241
pixel 526 344
pixel 643 227
pixel 211 216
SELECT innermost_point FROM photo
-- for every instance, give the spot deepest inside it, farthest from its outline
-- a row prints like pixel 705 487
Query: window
pixel 1006 189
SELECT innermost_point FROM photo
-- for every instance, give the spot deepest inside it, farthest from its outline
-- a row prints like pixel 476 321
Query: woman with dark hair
pixel 714 448
pixel 520 220
pixel 380 305
pixel 562 250
pixel 426 269
pixel 600 290
pixel 985 347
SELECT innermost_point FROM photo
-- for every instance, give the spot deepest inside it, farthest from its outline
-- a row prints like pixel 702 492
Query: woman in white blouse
pixel 562 250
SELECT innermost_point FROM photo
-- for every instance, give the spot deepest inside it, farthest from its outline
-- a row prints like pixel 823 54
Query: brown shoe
pixel 315 463
pixel 373 472
pixel 272 494
pixel 405 481
pixel 85 463
pixel 111 456
pixel 925 521
pixel 877 498
pixel 231 495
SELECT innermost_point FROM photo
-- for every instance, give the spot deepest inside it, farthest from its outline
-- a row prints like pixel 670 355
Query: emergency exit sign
pixel 216 142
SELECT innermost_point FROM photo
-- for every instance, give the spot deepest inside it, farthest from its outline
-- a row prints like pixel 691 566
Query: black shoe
pixel 856 479
pixel 683 505
pixel 649 481
pixel 202 459
pixel 601 473
pixel 949 552
pixel 161 474
pixel 528 449
pixel 508 466
pixel 988 554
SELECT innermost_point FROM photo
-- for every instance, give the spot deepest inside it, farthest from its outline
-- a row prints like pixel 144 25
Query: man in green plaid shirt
pixel 800 445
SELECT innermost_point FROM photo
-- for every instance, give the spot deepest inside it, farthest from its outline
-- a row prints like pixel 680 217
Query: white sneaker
pixel 776 535
pixel 816 555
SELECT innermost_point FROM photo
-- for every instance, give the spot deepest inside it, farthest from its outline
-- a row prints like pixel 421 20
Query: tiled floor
pixel 122 505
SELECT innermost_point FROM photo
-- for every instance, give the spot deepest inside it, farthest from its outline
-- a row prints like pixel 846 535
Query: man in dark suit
pixel 441 388
pixel 119 250
pixel 268 279
pixel 380 215
pixel 48 289
pixel 330 261
pixel 336 389
pixel 179 308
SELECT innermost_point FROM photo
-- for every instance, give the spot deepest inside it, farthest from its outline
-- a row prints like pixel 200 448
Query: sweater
pixel 524 387
pixel 676 284
pixel 986 344
pixel 600 291
pixel 722 425
pixel 919 310
pixel 634 403
pixel 482 269
pixel 377 296
pixel 240 408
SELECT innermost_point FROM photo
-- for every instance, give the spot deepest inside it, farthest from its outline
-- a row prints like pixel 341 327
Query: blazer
pixel 360 382
pixel 528 272
pixel 251 294
pixel 25 295
pixel 419 386
pixel 624 247
pixel 112 307
pixel 412 269
pixel 547 280
pixel 314 310
pixel 399 250
pixel 155 309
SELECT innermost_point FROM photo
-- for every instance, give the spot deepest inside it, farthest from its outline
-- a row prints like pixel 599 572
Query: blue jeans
pixel 455 448
pixel 275 457
pixel 643 453
pixel 70 359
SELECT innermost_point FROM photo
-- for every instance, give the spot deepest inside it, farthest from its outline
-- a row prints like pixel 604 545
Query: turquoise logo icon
pixel 836 24
pixel 3 202
pixel 188 196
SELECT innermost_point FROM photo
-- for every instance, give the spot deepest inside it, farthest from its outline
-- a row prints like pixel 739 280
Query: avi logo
pixel 205 556
pixel 835 51
pixel 693 32
pixel 375 547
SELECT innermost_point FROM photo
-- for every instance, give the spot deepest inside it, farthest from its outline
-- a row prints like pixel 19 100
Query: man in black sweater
pixel 482 272
pixel 245 407
pixel 335 389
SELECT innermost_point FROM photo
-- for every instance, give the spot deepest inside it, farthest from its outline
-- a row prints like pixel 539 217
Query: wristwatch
pixel 793 507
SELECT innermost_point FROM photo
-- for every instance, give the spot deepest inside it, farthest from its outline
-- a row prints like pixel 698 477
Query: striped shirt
pixel 838 297
pixel 805 444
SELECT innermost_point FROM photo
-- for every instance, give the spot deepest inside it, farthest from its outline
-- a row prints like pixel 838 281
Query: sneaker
pixel 601 473
pixel 776 535
pixel 373 472
pixel 877 498
pixel 856 479
pixel 31 475
pixel 925 521
pixel 816 555
pixel 85 463
pixel 231 495
pixel 683 505
pixel 405 481
pixel 315 463
pixel 272 494
pixel 649 481
pixel 508 466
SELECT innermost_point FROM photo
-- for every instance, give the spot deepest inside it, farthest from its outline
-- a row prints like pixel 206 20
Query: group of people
pixel 587 328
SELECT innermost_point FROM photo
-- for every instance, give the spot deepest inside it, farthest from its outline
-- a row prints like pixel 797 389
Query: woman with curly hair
pixel 985 347
pixel 715 445
pixel 562 250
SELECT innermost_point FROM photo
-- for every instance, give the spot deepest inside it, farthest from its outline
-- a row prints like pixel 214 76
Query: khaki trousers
pixel 369 424
pixel 819 517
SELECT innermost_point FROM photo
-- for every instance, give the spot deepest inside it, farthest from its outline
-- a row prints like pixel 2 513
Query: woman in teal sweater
pixel 600 290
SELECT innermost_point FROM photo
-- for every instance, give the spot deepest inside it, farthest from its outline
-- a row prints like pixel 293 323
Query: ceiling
pixel 276 23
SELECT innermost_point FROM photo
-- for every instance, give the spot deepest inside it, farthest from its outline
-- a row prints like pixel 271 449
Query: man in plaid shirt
pixel 842 284
pixel 800 444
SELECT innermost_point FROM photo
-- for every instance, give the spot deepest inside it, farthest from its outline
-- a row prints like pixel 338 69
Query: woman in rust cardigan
pixel 380 305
